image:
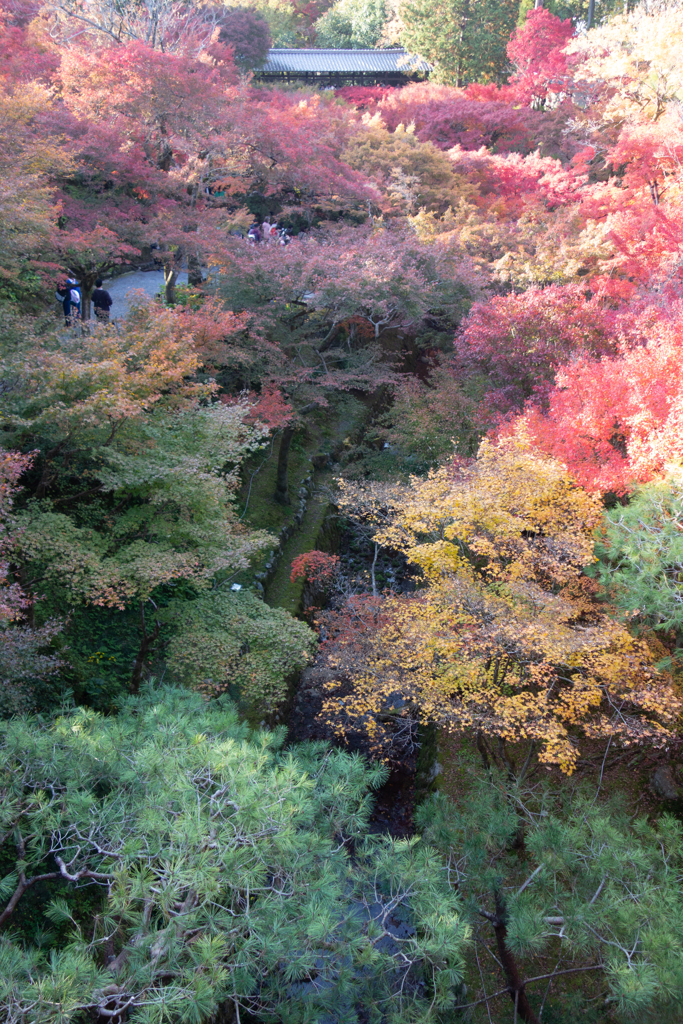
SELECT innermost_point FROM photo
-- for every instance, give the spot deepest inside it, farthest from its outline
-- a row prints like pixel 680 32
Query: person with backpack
pixel 102 301
pixel 74 300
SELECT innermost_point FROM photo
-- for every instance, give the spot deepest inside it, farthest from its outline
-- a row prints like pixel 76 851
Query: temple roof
pixel 344 61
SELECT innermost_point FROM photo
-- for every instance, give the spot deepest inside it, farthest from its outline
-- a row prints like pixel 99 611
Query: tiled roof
pixel 314 61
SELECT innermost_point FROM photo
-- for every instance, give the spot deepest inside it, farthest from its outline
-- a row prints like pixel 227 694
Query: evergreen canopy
pixel 225 871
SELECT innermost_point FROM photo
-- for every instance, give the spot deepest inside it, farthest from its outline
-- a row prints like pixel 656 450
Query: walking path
pixel 149 281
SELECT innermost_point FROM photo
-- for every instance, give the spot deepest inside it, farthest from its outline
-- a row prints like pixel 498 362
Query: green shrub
pixel 234 642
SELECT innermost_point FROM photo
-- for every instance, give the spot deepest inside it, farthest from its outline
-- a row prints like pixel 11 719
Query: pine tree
pixel 641 556
pixel 220 873
pixel 544 874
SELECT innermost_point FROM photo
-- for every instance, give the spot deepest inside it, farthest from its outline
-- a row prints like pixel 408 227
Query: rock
pixel 664 784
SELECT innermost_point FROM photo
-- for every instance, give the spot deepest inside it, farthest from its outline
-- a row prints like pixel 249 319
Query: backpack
pixel 75 297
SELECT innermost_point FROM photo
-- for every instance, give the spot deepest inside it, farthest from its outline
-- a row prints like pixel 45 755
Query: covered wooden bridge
pixel 337 68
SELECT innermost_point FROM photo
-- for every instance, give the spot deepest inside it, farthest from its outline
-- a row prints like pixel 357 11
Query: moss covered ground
pixel 325 433
pixel 281 592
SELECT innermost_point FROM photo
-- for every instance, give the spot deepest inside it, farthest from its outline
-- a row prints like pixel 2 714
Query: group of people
pixel 267 232
pixel 70 297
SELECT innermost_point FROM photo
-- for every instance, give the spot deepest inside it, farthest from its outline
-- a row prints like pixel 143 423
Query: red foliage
pixel 24 58
pixel 510 183
pixel 487 92
pixel 448 117
pixel 306 14
pixel 650 153
pixel 618 420
pixel 273 409
pixel 161 101
pixel 365 97
pixel 247 34
pixel 518 341
pixel 536 51
pixel 269 408
pixel 644 215
pixel 294 145
pixel 316 568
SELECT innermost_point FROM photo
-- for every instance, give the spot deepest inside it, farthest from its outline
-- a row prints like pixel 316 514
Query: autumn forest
pixel 341 513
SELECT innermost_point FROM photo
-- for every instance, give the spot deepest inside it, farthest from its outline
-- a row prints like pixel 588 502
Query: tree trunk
pixel 372 571
pixel 282 484
pixel 148 639
pixel 510 968
pixel 170 278
pixel 591 13
pixel 164 155
pixel 483 750
pixel 194 272
pixel 172 261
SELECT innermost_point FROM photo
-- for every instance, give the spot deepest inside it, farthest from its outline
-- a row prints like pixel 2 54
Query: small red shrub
pixel 316 568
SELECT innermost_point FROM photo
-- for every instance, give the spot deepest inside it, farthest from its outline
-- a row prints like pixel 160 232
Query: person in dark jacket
pixel 70 297
pixel 63 295
pixel 101 300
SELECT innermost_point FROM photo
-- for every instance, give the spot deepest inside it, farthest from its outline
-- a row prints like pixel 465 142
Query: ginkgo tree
pixel 502 638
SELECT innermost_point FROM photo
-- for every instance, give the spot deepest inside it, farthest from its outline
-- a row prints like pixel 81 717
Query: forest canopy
pixel 341 455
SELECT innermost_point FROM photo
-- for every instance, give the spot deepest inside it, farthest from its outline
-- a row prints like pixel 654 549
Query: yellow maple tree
pixel 503 636
pixel 636 59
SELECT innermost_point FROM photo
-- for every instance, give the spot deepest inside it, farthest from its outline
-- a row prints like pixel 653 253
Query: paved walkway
pixel 149 281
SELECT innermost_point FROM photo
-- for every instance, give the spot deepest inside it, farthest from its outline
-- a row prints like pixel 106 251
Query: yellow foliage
pixel 414 175
pixel 503 638
pixel 639 55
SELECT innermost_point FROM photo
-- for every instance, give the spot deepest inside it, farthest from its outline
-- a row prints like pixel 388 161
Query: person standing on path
pixel 63 295
pixel 74 299
pixel 102 301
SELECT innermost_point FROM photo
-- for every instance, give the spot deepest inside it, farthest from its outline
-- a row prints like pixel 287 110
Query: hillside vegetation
pixel 341 502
